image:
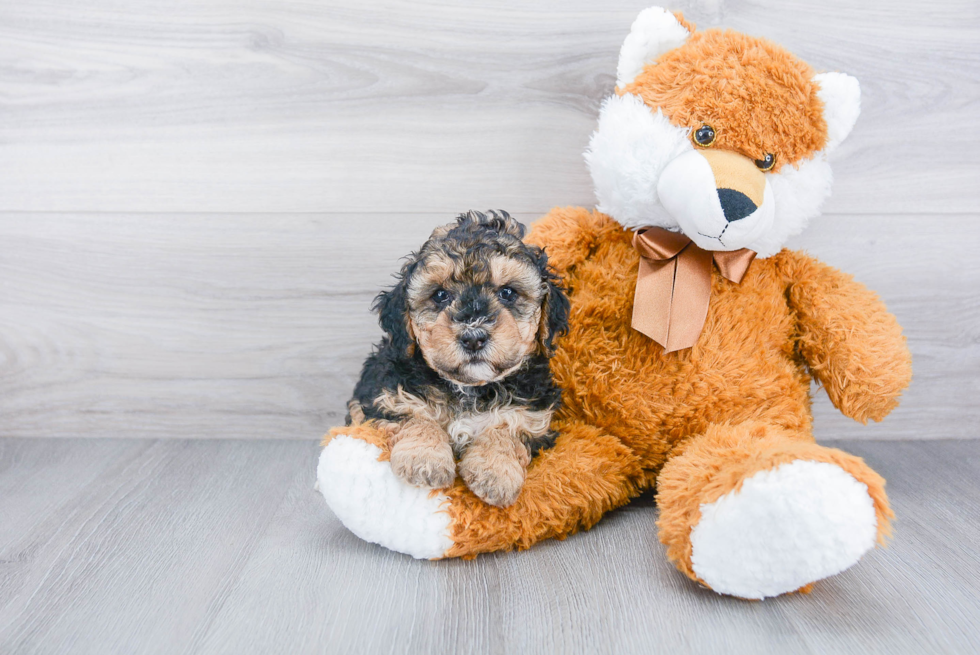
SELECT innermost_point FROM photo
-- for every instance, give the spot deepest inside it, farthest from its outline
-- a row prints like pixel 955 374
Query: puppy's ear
pixel 392 309
pixel 554 309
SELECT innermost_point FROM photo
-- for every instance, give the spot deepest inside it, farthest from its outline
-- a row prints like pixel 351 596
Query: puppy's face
pixel 477 301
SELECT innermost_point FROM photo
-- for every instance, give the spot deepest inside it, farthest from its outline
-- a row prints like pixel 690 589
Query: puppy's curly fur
pixel 463 368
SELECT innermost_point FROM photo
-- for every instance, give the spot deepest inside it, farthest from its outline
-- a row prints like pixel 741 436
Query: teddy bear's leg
pixel 753 510
pixel 568 487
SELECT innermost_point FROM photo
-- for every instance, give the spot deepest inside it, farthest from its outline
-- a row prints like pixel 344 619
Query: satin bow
pixel 673 285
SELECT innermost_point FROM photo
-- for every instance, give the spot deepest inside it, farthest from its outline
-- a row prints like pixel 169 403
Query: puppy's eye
pixel 441 297
pixel 507 294
pixel 767 162
pixel 704 136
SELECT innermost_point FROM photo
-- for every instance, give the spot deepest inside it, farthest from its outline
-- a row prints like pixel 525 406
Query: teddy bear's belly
pixel 742 368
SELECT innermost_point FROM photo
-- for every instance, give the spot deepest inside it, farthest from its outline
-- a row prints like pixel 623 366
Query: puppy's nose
pixel 474 339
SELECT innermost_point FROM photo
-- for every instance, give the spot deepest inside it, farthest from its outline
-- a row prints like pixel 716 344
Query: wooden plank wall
pixel 198 201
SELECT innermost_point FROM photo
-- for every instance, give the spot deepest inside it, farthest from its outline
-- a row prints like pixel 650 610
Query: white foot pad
pixel 785 528
pixel 378 507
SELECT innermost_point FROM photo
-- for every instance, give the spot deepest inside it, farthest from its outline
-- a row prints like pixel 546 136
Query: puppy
pixel 463 369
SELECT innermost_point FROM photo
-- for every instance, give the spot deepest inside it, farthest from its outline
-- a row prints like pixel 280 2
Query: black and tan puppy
pixel 462 371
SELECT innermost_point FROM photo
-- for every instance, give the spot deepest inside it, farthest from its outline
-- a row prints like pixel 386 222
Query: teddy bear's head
pixel 718 135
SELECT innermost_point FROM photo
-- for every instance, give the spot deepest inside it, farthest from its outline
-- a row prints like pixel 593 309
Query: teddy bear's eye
pixel 767 162
pixel 704 136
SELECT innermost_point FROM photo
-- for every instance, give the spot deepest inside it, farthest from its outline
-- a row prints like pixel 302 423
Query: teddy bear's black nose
pixel 735 204
pixel 473 340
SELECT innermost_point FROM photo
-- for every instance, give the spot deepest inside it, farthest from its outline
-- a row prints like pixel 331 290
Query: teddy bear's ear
pixel 654 32
pixel 841 96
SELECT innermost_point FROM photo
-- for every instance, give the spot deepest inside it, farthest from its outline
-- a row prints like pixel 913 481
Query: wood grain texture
pixel 143 545
pixel 256 326
pixel 361 106
pixel 223 547
pixel 235 180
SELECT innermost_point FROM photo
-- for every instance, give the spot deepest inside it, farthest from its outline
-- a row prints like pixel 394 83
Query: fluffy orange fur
pixel 630 408
pixel 698 422
pixel 706 81
pixel 371 432
pixel 567 488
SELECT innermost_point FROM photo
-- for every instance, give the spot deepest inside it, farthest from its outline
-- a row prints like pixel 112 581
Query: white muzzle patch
pixel 646 172
pixel 688 191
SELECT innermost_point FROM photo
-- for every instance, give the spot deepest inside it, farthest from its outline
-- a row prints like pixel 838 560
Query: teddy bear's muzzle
pixel 718 198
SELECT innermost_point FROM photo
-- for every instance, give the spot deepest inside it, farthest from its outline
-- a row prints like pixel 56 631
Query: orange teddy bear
pixel 693 336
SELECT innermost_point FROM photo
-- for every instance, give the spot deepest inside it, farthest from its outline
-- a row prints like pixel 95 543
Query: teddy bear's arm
pixel 850 341
pixel 569 235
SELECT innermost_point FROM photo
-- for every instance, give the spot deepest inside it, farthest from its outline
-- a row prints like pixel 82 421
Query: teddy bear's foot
pixel 358 484
pixel 785 528
pixel 753 512
pixel 567 488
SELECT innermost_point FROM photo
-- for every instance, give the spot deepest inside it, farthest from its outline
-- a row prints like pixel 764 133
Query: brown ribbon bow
pixel 673 286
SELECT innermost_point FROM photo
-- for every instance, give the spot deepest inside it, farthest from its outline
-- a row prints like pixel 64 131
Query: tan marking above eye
pixel 433 272
pixel 521 275
pixel 438 268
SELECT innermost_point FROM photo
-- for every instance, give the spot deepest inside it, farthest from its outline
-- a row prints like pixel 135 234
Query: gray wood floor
pixel 210 546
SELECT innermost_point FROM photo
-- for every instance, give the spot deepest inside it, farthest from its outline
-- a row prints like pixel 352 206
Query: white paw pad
pixel 378 507
pixel 785 528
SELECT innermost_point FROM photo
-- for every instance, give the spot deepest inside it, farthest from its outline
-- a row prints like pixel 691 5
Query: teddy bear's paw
pixel 378 507
pixel 783 529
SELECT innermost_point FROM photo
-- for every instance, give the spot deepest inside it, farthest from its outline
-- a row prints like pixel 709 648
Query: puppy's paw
pixel 424 464
pixel 495 480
